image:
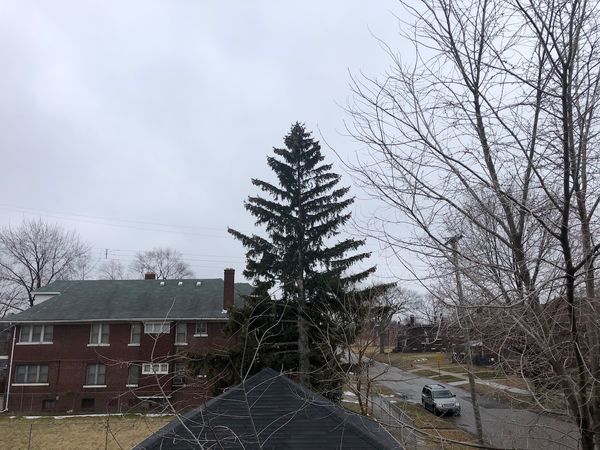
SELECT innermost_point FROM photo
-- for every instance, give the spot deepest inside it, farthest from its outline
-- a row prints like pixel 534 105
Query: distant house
pixel 419 337
pixel 270 411
pixel 115 345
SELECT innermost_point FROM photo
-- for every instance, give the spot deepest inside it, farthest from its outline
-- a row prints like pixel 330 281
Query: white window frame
pixel 139 335
pixel 96 383
pixel 200 333
pixel 155 368
pixel 181 328
pixel 26 338
pixel 96 338
pixel 157 327
pixel 38 373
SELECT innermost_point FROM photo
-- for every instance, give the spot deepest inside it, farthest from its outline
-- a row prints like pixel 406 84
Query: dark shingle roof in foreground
pixel 131 299
pixel 269 411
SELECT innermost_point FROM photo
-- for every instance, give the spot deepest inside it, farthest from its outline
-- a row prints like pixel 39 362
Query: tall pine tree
pixel 299 259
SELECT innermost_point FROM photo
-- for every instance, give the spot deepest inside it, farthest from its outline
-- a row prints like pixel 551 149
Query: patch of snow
pixel 75 416
pixel 349 394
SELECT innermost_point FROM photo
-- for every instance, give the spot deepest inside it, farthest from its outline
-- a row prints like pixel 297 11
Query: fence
pixel 399 424
pixel 72 432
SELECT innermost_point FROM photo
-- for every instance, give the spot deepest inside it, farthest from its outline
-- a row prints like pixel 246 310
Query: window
pixel 98 334
pixel 136 334
pixel 133 375
pixel 201 329
pixel 48 404
pixel 181 333
pixel 88 403
pixel 36 334
pixel 179 375
pixel 155 369
pixel 156 327
pixel 32 374
pixel 96 375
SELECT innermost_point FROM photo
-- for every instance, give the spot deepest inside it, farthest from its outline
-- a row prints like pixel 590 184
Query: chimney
pixel 412 321
pixel 228 278
pixel 150 276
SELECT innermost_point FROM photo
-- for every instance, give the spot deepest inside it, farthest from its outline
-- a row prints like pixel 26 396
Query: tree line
pixel 35 253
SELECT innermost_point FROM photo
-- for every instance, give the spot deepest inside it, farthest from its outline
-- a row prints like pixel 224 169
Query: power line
pixel 82 218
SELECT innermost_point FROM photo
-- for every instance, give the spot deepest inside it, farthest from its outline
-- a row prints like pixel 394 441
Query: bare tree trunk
pixel 468 350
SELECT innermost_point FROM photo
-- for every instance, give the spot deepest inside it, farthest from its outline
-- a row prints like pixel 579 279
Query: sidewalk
pixel 465 380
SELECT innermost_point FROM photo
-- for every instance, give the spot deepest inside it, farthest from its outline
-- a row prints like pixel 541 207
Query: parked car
pixel 439 400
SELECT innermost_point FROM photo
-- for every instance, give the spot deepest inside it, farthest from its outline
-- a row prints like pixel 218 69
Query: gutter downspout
pixel 8 382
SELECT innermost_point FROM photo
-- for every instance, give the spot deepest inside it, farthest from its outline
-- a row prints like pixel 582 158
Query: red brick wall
pixel 67 358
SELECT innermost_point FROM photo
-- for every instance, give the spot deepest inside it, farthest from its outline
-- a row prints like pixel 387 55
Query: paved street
pixel 502 427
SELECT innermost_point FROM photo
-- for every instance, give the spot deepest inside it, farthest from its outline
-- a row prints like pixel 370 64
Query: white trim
pixel 149 397
pixel 201 335
pixel 30 384
pixel 131 385
pixel 34 343
pixel 98 345
pixel 91 386
pixel 4 357
pixel 133 345
pixel 181 343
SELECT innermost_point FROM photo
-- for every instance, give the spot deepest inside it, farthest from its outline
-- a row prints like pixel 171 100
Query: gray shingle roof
pixel 271 409
pixel 130 299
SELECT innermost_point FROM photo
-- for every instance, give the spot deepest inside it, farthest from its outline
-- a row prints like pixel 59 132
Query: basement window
pixel 88 403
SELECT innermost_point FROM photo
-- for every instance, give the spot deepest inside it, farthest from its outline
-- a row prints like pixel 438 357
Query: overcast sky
pixel 140 123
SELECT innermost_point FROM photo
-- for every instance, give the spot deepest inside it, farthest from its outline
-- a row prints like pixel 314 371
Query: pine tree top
pixel 301 214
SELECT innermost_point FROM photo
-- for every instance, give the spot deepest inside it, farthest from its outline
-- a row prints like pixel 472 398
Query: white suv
pixel 439 400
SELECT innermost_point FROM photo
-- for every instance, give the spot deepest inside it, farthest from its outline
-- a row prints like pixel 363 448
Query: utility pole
pixel 453 241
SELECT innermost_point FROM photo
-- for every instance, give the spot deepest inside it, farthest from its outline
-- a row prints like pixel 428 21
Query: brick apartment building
pixel 115 345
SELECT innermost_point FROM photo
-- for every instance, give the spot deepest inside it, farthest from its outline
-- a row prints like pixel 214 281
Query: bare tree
pixel 492 133
pixel 368 317
pixel 112 270
pixel 166 263
pixel 35 254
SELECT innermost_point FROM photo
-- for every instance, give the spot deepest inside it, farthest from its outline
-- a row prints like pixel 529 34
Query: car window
pixel 442 393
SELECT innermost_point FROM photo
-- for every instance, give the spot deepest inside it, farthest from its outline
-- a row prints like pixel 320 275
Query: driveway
pixel 502 427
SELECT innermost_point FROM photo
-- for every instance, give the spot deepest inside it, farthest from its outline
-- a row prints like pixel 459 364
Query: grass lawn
pixel 514 400
pixel 488 374
pixel 447 378
pixel 426 372
pixel 351 406
pixel 77 432
pixel 435 430
pixel 407 360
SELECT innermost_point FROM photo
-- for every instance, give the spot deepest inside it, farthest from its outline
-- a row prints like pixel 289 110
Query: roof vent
pixel 180 283
pixel 162 283
pixel 198 283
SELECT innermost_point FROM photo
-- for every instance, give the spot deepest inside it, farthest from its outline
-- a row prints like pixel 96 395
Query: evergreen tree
pixel 300 261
